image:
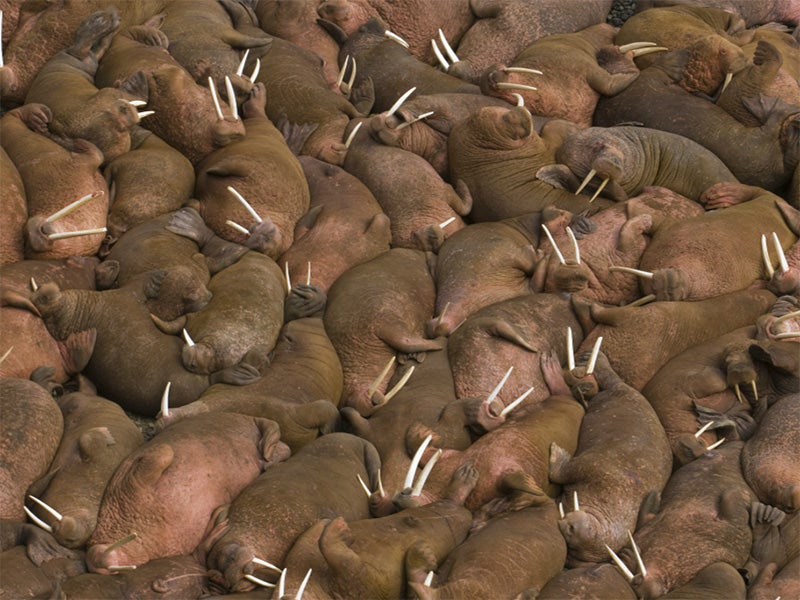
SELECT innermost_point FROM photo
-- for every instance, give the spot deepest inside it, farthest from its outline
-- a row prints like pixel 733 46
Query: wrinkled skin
pixel 344 226
pixel 169 489
pixel 376 311
pixel 753 13
pixel 772 583
pixel 267 517
pixel 596 581
pixel 717 580
pixel 14 210
pixel 23 578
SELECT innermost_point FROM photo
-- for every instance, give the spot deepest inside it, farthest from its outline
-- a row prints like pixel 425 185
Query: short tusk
pixel 37 520
pixel 428 579
pixel 381 491
pixel 374 386
pixel 232 99
pixel 288 280
pixel 399 385
pixel 264 563
pixel 400 101
pixel 165 398
pixel 561 510
pixel 575 506
pixel 308 274
pixel 246 204
pixel 188 338
pixel 396 38
pixel 765 256
pixel 715 444
pixel 412 468
pixel 499 386
pixel 593 357
pixel 703 429
pixel 258 581
pixel 240 69
pixel 726 82
pixel 353 134
pixel 439 56
pixel 69 208
pixel 412 121
pixel 444 224
pixel 585 181
pixel 423 477
pixel 352 77
pixel 632 271
pixel 505 85
pixel 137 103
pixel 363 485
pixel 34 285
pixel 47 507
pixel 638 554
pixel 625 570
pixel 642 301
pixel 70 234
pixel 553 244
pixel 522 70
pixel 447 48
pixel 237 227
pixel 570 351
pixel 217 108
pixel 516 402
pixel 599 189
pixel 303 585
pixel 635 46
pixel 779 251
pixel 574 241
pixel 121 542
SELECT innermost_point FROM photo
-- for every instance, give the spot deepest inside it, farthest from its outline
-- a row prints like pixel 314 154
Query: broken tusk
pixel 412 469
pixel 447 48
pixel 593 357
pixel 585 181
pixel 553 244
pixel 703 429
pixel 765 256
pixel 374 385
pixel 165 397
pixel 258 581
pixel 439 56
pixel 505 85
pixel 264 563
pixel 625 570
pixel 715 444
pixel 638 554
pixel 70 234
pixel 499 386
pixel 570 351
pixel 574 241
pixel 412 121
pixel 188 338
pixel 350 137
pixel 423 477
pixel 399 385
pixel 37 520
pixel 232 99
pixel 240 69
pixel 215 98
pixel 72 207
pixel 246 204
pixel 396 38
pixel 444 224
pixel 575 506
pixel 288 279
pixel 599 189
pixel 121 542
pixel 400 101
pixel 632 271
pixel 237 227
pixel 779 251
pixel 303 585
pixel 47 507
pixel 363 485
pixel 516 402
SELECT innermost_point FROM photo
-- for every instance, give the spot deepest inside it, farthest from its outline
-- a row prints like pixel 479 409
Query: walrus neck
pixel 72 315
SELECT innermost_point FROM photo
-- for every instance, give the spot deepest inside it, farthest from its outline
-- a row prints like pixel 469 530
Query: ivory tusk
pixel 396 38
pixel 505 85
pixel 444 224
pixel 308 274
pixel 282 584
pixel 755 389
pixel 625 570
pixel 73 206
pixel 288 279
pixel 520 99
pixel 215 98
pixel 439 56
pixel 635 46
pixel 779 251
pixel 303 585
pixel 643 300
pixel 786 335
pixel 783 318
pixel 632 271
pixel 522 70
pixel 643 51
pixel 121 542
pixel 765 257
pixel 400 101
pixel 117 568
pixel 240 69
pixel 1 39
pixel 232 99
pixel 399 385
pixel 264 563
pixel 246 204
pixel 363 485
pixel 256 71
pixel 165 398
pixel 70 234
pixel 34 285
pixel 638 554
pixel 715 444
pixel 423 477
pixel 258 581
pixel 585 181
pixel 374 386
pixel 353 134
pixel 575 506
pixel 553 244
pixel 5 354
pixel 381 491
pixel 145 113
pixel 499 386
pixel 137 103
pixel 342 71
pixel 237 227
pixel 703 429
pixel 516 402
pixel 352 77
pixel 570 351
pixel 561 510
pixel 412 468
pixel 738 393
pixel 412 121
pixel 593 357
pixel 47 507
pixel 37 520
pixel 428 579
pixel 726 82
pixel 447 48
pixel 188 338
pixel 574 241
pixel 599 189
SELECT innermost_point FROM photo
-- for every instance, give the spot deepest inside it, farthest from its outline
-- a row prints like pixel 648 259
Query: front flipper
pixel 334 543
pixel 523 491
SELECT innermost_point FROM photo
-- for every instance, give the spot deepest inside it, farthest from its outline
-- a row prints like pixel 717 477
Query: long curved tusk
pixel 765 257
pixel 47 507
pixel 638 554
pixel 554 245
pixel 516 402
pixel 145 113
pixel 412 468
pixel 308 274
pixel 643 51
pixel 246 204
pixel 505 85
pixel 70 234
pixel 121 542
pixel 165 398
pixel 363 485
pixel 428 579
pixel 1 39
pixel 715 444
pixel 342 71
pixel 352 77
pixel 635 46
pixel 240 69
pixel 264 563
pixel 632 271
pixel 575 506
pixel 237 227
pixel 570 351
pixel 574 241
pixel 400 101
pixel 288 280
pixel 258 581
pixel 73 206
pixel 738 393
pixel 520 99
pixel 703 429
pixel 499 386
pixel 444 224
pixel 117 568
pixel 350 137
pixel 447 48
pixel 585 181
pixel 232 99
pixel 188 338
pixel 215 98
pixel 522 70
pixel 599 189
pixel 282 584
pixel 37 520
pixel 593 357
pixel 625 570
pixel 786 335
pixel 423 477
pixel 779 251
pixel 256 71
pixel 396 38
pixel 374 385
pixel 755 389
pixel 381 491
pixel 439 56
pixel 303 585
pixel 399 385
pixel 412 121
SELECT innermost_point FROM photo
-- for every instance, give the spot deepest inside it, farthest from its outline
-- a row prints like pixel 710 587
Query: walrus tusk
pixel 715 444
pixel 593 357
pixel 412 121
pixel 396 38
pixel 282 584
pixel 374 385
pixel 237 227
pixel 363 485
pixel 553 244
pixel 703 429
pixel 738 393
pixel 117 568
pixel 137 103
pixel 599 189
pixel 423 477
pixel 70 234
pixel 625 570
pixel 217 108
pixel 264 563
pixel 246 204
pixel 350 137
pixel 632 271
pixel 447 48
pixel 1 39
pixel 398 386
pixel 755 389
pixel 522 70
pixel 499 386
pixel 47 507
pixel 642 301
pixel 575 506
pixel 505 85
pixel 5 355
pixel 381 491
pixel 342 71
pixel 352 78
pixel 439 56
pixel 145 113
pixel 256 70
pixel 188 338
pixel 400 101
pixel 308 274
pixel 165 397
pixel 232 99
pixel 37 520
pixel 635 46
pixel 121 542
pixel 516 402
pixel 240 69
pixel 428 579
pixel 303 585
pixel 520 99
pixel 638 554
pixel 444 224
pixel 34 285
pixel 585 181
pixel 765 256
pixel 574 244
pixel 643 51
pixel 412 468
pixel 258 581
pixel 728 77
pixel 288 279
pixel 570 351
pixel 786 317
pixel 779 251
pixel 561 513
pixel 73 206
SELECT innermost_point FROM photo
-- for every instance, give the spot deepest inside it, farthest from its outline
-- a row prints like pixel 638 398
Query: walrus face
pixel 580 531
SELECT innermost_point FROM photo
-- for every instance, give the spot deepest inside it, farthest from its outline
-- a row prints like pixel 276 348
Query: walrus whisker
pixel 554 245
pixel 635 46
pixel 37 520
pixel 447 222
pixel 398 386
pixel 412 121
pixel 232 99
pixel 342 71
pixel 445 65
pixel 240 68
pixel 428 579
pixel 632 271
pixel 47 507
pixel 73 206
pixel 350 137
pixel 399 102
pixel 574 241
pixel 779 251
pixel 522 70
pixel 70 234
pixel 593 357
pixel 215 98
pixel 363 485
pixel 303 585
pixel 165 398
pixel 447 48
pixel 396 38
pixel 117 568
pixel 738 393
pixel 258 581
pixel 505 85
pixel 256 71
pixel 599 189
pixel 570 351
pixel 765 257
pixel 412 468
pixel 499 386
pixel 585 181
pixel 374 385
pixel 237 227
pixel 121 542
pixel 715 444
pixel 188 338
pixel 423 477
pixel 288 278
pixel 625 570
pixel 264 563
pixel 246 204
pixel 703 429
pixel 638 554
pixel 516 402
